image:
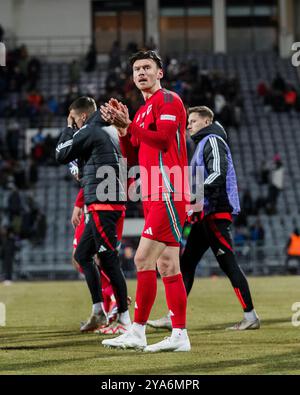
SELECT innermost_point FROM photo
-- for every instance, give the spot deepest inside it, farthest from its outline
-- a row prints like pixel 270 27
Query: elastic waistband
pixel 219 216
pixel 106 207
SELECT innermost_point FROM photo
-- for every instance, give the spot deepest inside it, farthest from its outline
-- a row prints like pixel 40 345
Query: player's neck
pixel 148 93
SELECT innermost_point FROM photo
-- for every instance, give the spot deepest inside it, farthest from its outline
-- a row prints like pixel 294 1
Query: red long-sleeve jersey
pixel 156 137
pixel 79 202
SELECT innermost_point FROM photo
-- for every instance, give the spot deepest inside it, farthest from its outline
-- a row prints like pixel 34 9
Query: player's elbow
pixel 61 158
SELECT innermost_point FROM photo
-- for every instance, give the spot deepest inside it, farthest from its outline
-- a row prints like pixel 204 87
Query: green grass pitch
pixel 42 337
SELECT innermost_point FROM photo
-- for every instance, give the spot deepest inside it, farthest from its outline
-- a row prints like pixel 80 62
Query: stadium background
pixel 225 54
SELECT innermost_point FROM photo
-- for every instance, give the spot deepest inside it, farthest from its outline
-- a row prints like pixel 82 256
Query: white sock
pixel 97 308
pixel 125 318
pixel 140 329
pixel 178 332
pixel 251 315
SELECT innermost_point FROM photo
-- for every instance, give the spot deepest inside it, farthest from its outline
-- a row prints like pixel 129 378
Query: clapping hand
pixel 116 113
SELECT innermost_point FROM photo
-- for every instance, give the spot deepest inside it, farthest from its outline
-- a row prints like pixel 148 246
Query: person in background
pixel 292 249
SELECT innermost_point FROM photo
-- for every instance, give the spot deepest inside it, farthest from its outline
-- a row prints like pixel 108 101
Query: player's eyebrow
pixel 141 67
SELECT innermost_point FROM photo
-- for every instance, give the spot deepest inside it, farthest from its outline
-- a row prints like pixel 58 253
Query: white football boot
pixel 162 323
pixel 245 325
pixel 176 342
pixel 130 339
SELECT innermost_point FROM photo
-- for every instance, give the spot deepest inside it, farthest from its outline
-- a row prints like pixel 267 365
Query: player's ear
pixel 160 74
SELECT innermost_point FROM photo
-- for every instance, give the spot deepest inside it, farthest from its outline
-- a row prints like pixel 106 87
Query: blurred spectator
pixel 74 72
pixel 293 251
pixel 131 48
pixel 115 55
pixel 23 59
pixel 127 262
pixel 49 150
pixel 172 70
pixel 240 236
pixel 33 73
pixel 263 174
pixel 241 220
pixel 20 178
pixel 290 97
pixel 38 138
pixel 39 227
pixel 276 184
pixel 16 80
pixel 262 89
pixel 247 203
pixel 12 139
pixel 8 253
pixel 220 103
pixel 52 105
pixel 38 146
pixel 257 233
pixel 278 83
pixel 33 172
pixel 91 59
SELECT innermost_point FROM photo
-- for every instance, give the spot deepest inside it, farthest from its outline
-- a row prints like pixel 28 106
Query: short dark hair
pixel 203 111
pixel 147 55
pixel 84 104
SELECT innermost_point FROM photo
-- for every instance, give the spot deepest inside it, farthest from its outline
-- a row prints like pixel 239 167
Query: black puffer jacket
pixel 99 159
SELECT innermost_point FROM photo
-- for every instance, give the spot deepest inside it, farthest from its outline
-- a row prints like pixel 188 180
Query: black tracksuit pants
pixel 214 233
pixel 101 235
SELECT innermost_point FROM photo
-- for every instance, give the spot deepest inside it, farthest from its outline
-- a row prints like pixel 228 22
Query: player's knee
pixel 166 267
pixel 109 260
pixel 79 258
pixel 141 262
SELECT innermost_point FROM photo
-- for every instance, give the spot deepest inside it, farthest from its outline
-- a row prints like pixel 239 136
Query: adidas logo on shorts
pixel 220 252
pixel 148 231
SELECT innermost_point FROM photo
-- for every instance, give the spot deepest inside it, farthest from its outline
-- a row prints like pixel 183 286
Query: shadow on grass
pixel 74 343
pixel 224 325
pixel 21 336
pixel 39 364
pixel 268 364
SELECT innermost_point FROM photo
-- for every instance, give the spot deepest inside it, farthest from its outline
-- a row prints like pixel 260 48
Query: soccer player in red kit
pixel 156 137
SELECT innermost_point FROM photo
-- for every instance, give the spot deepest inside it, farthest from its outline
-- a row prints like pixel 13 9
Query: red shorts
pixel 164 220
pixel 78 232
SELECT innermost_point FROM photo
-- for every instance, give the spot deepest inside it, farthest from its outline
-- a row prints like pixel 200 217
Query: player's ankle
pixel 138 328
pixel 124 318
pixel 179 332
pixel 97 308
pixel 251 315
